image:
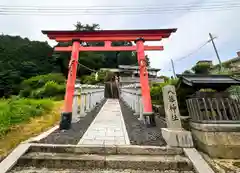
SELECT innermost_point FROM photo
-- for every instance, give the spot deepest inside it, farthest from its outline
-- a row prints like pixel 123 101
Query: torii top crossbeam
pixel 110 35
pixel 107 36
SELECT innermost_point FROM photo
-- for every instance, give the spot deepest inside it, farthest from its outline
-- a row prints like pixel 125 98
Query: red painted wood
pixel 104 34
pixel 147 103
pixel 118 48
pixel 109 38
pixel 72 74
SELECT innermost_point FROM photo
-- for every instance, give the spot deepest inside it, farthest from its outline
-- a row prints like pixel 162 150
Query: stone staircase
pixel 49 158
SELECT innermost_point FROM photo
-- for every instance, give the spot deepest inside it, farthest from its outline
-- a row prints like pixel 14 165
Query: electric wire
pixel 87 67
pixel 193 52
pixel 104 10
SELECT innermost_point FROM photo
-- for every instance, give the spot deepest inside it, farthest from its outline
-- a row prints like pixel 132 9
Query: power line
pixel 215 3
pixel 190 54
pixel 193 52
pixel 87 67
pixel 40 10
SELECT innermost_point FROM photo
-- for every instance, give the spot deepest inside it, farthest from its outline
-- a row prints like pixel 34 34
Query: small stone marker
pixel 171 107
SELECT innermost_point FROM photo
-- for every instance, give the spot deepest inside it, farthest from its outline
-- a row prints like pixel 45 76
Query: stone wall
pixel 218 140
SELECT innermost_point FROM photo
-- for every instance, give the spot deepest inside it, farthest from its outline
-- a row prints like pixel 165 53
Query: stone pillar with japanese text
pixel 171 107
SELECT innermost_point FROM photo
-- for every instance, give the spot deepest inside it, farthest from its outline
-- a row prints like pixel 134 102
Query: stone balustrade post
pixel 94 98
pixel 90 100
pixel 87 101
pixel 141 118
pixel 83 104
pixel 132 100
pixel 135 102
pixel 75 106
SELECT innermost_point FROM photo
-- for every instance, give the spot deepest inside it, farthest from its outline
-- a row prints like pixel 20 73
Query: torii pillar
pixel 107 36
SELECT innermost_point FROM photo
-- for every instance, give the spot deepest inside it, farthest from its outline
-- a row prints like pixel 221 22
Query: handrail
pixel 85 99
pixel 132 97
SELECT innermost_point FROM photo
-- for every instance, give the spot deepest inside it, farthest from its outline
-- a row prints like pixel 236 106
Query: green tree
pixel 21 59
pixel 187 72
pixel 81 27
pixel 203 68
pixel 96 60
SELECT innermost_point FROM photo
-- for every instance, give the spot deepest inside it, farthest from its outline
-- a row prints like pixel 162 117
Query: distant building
pixel 130 74
pixel 205 62
pixel 232 65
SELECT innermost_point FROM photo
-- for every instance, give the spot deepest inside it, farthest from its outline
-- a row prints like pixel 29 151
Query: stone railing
pixel 86 97
pixel 131 95
pixel 137 80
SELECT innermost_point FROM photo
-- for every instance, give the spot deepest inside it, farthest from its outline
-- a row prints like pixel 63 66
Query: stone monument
pixel 174 134
pixel 171 107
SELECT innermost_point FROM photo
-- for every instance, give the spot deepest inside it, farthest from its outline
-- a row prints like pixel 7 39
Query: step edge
pixel 62 157
pixel 135 149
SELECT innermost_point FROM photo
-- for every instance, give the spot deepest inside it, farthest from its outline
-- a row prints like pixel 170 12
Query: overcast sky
pixel 193 27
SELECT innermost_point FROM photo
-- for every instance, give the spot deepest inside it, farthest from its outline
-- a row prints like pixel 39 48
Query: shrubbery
pixel 156 91
pixel 44 86
pixel 17 110
pixel 91 79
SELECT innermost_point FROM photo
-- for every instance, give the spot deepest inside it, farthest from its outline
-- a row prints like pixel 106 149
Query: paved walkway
pixel 108 127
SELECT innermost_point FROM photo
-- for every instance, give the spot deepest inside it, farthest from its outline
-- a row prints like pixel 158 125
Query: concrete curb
pixel 199 164
pixel 42 135
pixel 13 157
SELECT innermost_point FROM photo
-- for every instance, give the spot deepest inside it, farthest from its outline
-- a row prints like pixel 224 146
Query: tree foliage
pixel 96 60
pixel 21 59
pixel 44 86
pixel 203 68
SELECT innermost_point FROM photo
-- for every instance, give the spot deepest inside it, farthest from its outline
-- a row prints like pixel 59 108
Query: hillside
pixel 21 59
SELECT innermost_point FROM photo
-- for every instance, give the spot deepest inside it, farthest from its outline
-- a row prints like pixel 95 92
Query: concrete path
pixel 108 127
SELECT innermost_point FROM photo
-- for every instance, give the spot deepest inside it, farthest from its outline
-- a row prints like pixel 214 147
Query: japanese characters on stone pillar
pixel 171 107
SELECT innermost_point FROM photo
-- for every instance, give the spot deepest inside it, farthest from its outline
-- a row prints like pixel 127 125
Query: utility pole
pixel 215 49
pixel 174 73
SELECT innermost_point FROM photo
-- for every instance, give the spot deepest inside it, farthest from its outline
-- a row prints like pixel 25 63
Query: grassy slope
pixel 34 126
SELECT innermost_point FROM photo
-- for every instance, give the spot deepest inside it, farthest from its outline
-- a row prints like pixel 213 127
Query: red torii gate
pixel 106 36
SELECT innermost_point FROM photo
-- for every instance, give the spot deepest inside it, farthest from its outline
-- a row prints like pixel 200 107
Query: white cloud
pixel 193 28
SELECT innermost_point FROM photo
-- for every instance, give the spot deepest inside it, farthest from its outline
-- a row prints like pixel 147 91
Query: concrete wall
pixel 218 140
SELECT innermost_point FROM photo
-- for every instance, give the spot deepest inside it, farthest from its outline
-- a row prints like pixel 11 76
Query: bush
pixel 91 79
pixel 50 89
pixel 41 80
pixel 15 111
pixel 156 91
pixel 44 84
pixel 203 68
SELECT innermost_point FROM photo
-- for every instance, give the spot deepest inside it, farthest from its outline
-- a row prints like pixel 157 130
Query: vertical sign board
pixel 171 107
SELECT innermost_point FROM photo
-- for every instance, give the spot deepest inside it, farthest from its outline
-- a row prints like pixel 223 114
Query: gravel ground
pixel 138 133
pixel 44 170
pixel 78 129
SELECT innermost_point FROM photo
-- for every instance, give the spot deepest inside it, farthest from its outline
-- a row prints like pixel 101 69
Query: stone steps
pixel 106 149
pixel 48 170
pixel 127 158
pixel 75 161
